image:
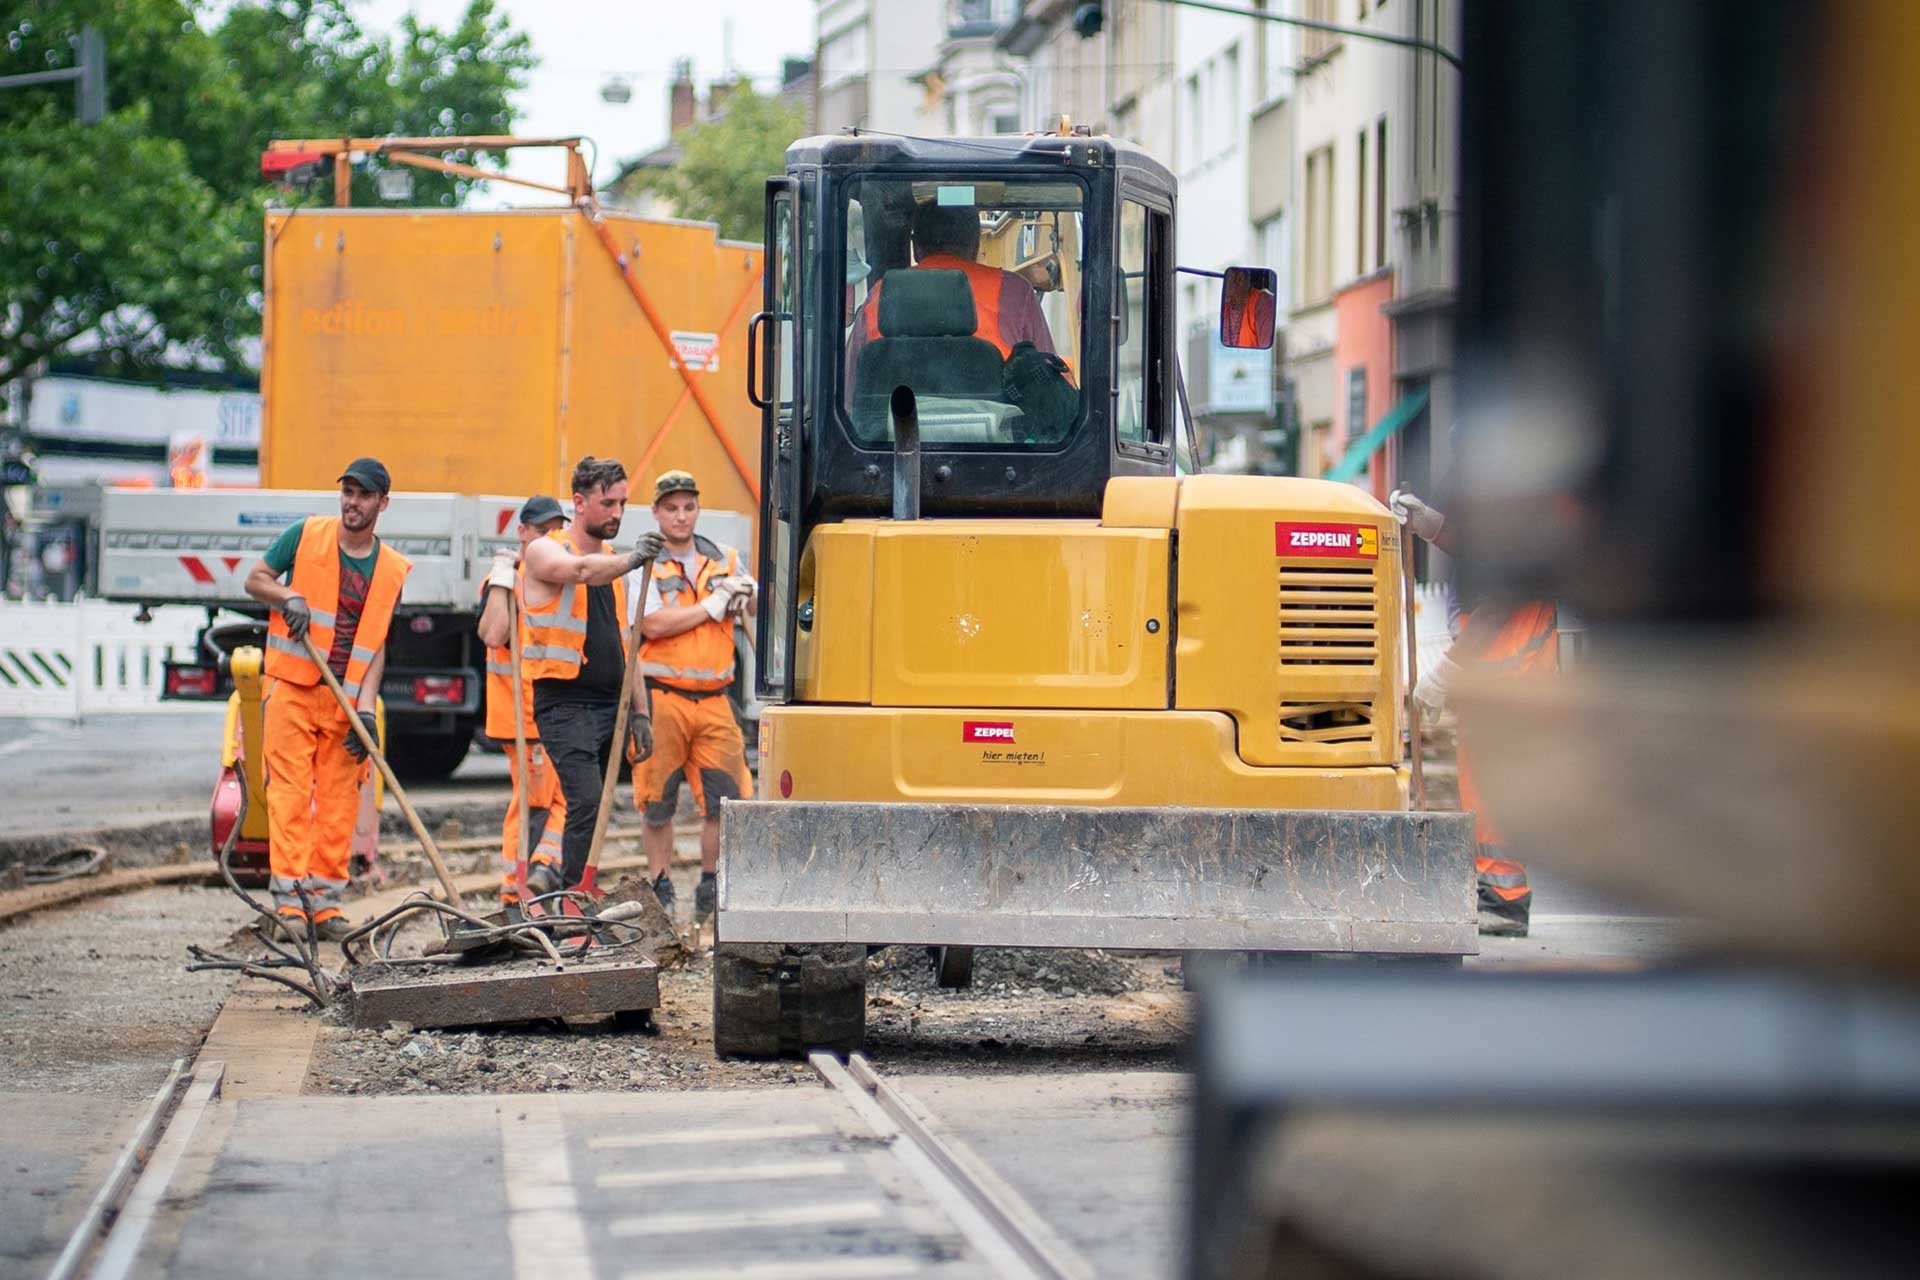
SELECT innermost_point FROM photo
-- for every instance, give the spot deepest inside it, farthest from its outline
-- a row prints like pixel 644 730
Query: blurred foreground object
pixel 1685 340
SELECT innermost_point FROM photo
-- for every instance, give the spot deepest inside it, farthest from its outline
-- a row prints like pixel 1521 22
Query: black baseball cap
pixel 371 473
pixel 540 508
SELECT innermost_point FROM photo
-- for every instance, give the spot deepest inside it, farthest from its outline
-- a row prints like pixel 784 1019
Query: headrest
pixel 919 303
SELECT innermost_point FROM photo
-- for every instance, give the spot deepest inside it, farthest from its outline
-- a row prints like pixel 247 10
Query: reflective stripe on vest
pixel 700 659
pixel 983 281
pixel 316 577
pixel 555 641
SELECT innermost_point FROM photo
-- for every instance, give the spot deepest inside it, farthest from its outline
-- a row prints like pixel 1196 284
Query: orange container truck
pixel 479 354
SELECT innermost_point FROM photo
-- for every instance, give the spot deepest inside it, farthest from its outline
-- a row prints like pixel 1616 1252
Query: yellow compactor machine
pixel 1029 686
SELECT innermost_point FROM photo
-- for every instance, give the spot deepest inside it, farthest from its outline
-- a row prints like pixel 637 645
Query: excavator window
pixel 970 292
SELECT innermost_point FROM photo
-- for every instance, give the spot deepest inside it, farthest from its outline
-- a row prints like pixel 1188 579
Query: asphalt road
pixel 137 767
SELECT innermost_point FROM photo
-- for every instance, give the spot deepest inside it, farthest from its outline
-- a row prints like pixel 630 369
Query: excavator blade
pixel 1143 879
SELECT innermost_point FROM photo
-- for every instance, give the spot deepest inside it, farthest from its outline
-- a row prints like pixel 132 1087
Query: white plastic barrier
pixel 70 659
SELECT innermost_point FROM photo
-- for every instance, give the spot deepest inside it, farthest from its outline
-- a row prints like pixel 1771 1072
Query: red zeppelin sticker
pixel 987 731
pixel 1346 541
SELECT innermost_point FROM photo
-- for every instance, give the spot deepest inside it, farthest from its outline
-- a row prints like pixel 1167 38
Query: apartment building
pixel 872 57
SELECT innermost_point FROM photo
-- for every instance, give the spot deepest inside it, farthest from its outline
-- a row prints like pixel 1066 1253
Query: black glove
pixel 299 617
pixel 1038 383
pixel 356 748
pixel 639 738
pixel 648 549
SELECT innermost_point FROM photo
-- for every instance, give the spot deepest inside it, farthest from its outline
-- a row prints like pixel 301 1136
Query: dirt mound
pixel 1002 973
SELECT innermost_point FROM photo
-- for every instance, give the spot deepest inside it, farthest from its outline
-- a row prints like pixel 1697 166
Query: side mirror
pixel 1249 299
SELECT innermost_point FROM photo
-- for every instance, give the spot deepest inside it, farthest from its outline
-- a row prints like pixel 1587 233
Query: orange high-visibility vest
pixel 985 282
pixel 316 576
pixel 554 645
pixel 500 672
pixel 701 659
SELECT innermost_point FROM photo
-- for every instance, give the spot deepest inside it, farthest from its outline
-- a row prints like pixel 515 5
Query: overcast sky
pixel 580 43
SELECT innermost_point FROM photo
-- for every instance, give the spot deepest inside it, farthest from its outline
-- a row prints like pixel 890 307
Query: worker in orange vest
pixel 1006 310
pixel 575 654
pixel 1510 641
pixel 699 589
pixel 546 802
pixel 340 590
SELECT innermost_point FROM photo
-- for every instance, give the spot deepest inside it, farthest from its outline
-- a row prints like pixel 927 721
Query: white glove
pixel 716 604
pixel 739 584
pixel 1435 681
pixel 1415 514
pixel 502 573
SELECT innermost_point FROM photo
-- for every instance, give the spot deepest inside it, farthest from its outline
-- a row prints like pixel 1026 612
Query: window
pixel 1380 193
pixel 1273 54
pixel 1231 123
pixel 1005 121
pixel 1317 44
pixel 1316 279
pixel 1356 402
pixel 945 280
pixel 1276 252
pixel 1138 363
pixel 1360 209
pixel 844 55
pixel 1196 130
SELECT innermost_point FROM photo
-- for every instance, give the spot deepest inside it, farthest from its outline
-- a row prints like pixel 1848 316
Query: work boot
pixel 663 890
pixel 333 928
pixel 291 928
pixel 1506 899
pixel 542 878
pixel 704 895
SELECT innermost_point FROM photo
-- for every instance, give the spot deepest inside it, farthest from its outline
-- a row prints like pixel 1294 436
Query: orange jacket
pixel 500 673
pixel 555 642
pixel 316 576
pixel 985 282
pixel 700 659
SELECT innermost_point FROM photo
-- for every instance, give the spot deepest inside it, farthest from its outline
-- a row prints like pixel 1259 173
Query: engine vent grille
pixel 1329 616
pixel 1326 722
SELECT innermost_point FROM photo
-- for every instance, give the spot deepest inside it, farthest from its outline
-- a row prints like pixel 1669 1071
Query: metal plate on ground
pixel 1050 876
pixel 515 991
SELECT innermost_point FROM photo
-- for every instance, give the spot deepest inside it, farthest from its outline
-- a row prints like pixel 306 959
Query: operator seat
pixel 927 322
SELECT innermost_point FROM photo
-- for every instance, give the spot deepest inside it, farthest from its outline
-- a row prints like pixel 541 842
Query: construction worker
pixel 575 654
pixel 546 802
pixel 946 237
pixel 699 588
pixel 341 586
pixel 1510 642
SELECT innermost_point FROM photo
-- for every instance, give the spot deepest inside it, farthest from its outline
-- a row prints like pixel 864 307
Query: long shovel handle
pixel 523 776
pixel 619 753
pixel 1413 670
pixel 386 770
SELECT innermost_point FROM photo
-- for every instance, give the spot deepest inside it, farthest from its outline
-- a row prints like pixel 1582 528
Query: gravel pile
pixel 1005 974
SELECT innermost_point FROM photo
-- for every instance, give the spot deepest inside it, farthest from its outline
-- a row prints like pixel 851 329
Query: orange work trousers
pixel 698 740
pixel 1525 642
pixel 313 798
pixel 543 793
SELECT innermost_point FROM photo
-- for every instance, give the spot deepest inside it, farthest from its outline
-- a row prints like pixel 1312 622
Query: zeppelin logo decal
pixel 1347 541
pixel 987 731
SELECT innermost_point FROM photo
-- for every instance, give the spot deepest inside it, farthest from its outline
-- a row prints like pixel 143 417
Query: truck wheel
pixel 775 1000
pixel 428 757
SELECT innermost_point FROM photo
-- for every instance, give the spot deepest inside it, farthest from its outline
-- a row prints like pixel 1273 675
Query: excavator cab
pixel 1024 680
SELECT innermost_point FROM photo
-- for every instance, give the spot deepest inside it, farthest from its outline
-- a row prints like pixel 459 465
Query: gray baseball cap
pixel 540 508
pixel 369 473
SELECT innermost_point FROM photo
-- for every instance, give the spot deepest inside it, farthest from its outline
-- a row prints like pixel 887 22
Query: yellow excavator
pixel 1027 683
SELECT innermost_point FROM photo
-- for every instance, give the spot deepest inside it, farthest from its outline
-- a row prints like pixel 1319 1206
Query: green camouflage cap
pixel 674 482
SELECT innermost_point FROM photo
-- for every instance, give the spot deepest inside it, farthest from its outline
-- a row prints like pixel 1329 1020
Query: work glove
pixel 299 617
pixel 639 738
pixel 1415 514
pixel 1431 692
pixel 355 747
pixel 738 584
pixel 502 573
pixel 717 604
pixel 650 548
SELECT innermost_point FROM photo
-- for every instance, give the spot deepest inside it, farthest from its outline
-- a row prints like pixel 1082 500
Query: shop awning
pixel 1354 460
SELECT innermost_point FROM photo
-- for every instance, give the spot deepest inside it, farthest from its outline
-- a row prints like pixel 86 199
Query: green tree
pixel 139 238
pixel 725 162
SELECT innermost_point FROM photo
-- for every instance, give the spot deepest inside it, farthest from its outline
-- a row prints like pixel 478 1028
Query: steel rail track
pixel 1012 1239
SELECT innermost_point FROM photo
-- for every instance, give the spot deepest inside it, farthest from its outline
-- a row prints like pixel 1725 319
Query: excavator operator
pixel 946 237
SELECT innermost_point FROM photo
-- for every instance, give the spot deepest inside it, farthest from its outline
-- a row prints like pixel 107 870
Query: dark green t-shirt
pixel 356 576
